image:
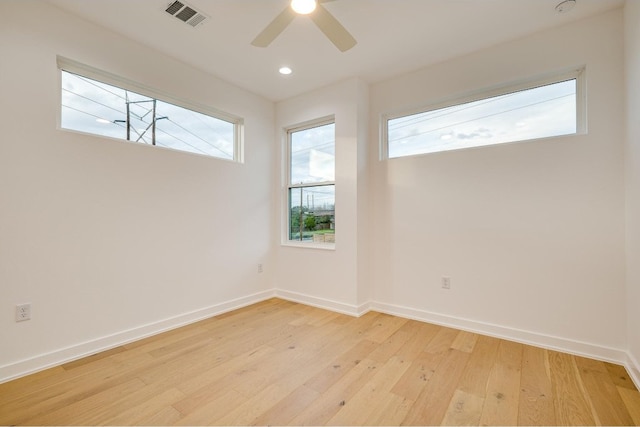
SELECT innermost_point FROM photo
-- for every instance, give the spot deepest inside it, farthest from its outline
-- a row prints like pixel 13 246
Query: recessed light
pixel 285 71
pixel 565 6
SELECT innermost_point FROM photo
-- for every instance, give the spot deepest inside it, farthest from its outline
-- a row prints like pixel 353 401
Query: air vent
pixel 185 13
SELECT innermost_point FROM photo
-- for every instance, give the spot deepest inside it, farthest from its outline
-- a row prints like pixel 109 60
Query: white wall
pixel 632 156
pixel 531 234
pixel 330 278
pixel 111 240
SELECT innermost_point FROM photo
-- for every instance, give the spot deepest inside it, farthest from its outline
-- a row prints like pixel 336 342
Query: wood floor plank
pixel 165 417
pixel 145 409
pixel 536 397
pixel 442 341
pixel 390 346
pixel 433 402
pixel 415 379
pixel 391 412
pixel 422 334
pixel 372 396
pixel 384 327
pixel 503 386
pixel 336 396
pixel 465 341
pixel 338 367
pixel 631 400
pixel 570 401
pixel 465 409
pixel 476 374
pixel 80 412
pixel 217 404
pixel 620 376
pixel 279 362
pixel 603 394
pixel 288 408
pixel 52 396
pixel 225 373
pixel 92 358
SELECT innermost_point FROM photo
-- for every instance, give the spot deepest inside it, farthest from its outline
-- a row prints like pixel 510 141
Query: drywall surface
pixel 107 239
pixel 531 234
pixel 327 277
pixel 632 156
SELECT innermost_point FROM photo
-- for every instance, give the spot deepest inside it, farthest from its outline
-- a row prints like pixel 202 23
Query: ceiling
pixel 394 36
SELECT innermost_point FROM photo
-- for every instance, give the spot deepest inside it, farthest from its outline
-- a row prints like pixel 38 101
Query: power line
pixel 478 118
pixel 451 110
pixel 125 98
pixel 89 114
pixel 205 141
pixel 122 126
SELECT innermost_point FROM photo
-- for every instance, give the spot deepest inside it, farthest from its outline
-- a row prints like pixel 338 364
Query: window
pixel 545 108
pixel 94 106
pixel 311 188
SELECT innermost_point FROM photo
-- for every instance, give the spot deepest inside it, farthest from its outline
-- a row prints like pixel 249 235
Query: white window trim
pixel 71 66
pixel 286 146
pixel 577 73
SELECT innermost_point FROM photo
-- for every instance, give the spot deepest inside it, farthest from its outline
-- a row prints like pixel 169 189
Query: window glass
pixel 102 109
pixel 538 112
pixel 313 155
pixel 311 190
pixel 312 213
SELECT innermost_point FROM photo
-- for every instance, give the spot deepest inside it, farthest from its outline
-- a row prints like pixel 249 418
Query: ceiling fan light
pixel 303 7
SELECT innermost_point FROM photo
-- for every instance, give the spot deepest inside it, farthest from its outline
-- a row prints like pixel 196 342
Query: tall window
pixel 540 109
pixel 94 106
pixel 311 188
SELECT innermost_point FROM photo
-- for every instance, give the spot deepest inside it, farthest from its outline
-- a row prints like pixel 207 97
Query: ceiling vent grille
pixel 186 13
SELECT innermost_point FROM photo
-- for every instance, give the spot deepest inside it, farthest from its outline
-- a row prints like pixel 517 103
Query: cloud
pixel 483 133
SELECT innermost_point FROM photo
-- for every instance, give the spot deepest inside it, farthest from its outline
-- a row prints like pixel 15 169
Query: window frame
pixel 574 73
pixel 83 70
pixel 288 185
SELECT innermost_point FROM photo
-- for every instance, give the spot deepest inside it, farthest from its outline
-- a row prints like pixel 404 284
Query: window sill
pixel 310 245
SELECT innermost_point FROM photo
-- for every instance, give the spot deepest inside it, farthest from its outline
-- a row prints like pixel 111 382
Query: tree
pixel 310 223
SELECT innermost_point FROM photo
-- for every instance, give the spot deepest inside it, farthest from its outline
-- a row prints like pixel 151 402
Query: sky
pixel 99 108
pixel 313 161
pixel 541 112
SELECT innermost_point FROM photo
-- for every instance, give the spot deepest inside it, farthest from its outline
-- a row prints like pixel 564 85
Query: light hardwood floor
pixel 283 363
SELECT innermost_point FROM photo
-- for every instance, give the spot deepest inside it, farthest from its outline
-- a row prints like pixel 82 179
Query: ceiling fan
pixel 327 23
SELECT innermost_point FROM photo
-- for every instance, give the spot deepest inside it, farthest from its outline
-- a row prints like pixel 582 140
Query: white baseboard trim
pixel 525 337
pixel 633 368
pixel 327 304
pixel 68 354
pixel 64 355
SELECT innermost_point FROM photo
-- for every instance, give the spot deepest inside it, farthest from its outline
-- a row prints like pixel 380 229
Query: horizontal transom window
pixel 541 109
pixel 91 105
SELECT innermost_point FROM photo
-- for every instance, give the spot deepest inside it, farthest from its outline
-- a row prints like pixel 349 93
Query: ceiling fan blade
pixel 333 29
pixel 274 29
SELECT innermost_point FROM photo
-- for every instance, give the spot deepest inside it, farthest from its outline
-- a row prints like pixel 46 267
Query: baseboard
pixel 327 304
pixel 525 337
pixel 68 354
pixel 633 368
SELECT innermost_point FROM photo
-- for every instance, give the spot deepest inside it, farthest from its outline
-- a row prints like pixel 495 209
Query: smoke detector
pixel 186 13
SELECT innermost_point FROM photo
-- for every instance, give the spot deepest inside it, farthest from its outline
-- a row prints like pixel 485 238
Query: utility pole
pixel 151 125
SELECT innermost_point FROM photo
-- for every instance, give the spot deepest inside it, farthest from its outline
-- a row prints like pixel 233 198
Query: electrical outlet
pixel 259 268
pixel 23 312
pixel 446 283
